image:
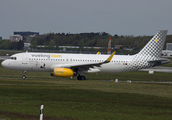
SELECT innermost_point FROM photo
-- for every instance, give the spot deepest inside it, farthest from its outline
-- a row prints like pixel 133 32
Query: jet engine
pixel 63 72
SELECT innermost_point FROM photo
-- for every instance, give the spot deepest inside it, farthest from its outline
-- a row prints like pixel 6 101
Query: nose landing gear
pixel 24 75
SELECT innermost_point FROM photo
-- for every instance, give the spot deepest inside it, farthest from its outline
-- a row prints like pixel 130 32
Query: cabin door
pixel 24 59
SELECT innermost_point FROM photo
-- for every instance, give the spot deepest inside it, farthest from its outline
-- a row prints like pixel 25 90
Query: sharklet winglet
pixel 98 53
pixel 110 58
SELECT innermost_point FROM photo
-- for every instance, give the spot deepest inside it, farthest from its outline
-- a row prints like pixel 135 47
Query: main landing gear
pixel 24 75
pixel 81 77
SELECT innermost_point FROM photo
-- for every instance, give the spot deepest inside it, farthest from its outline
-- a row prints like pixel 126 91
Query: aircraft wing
pixel 91 65
pixel 85 66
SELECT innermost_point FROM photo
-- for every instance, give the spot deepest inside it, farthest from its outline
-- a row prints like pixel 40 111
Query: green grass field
pixel 70 99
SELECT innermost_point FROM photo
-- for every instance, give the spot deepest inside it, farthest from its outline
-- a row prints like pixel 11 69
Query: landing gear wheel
pixel 24 77
pixel 81 78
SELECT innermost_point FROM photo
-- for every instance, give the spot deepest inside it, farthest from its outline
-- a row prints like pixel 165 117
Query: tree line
pixel 54 40
pixel 92 40
pixel 9 45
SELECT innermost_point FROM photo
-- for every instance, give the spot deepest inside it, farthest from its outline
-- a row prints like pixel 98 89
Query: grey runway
pixel 4 57
pixel 159 69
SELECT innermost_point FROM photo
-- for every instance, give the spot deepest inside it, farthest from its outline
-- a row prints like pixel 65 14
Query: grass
pixel 86 100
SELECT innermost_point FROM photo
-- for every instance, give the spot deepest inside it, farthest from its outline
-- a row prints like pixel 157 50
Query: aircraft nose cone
pixel 4 63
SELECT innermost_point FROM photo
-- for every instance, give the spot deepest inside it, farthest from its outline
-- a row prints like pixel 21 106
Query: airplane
pixel 69 65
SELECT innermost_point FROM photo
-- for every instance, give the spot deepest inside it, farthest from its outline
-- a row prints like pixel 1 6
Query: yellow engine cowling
pixel 63 72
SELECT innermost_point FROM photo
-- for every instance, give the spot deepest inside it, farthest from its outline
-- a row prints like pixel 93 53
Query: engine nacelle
pixel 63 72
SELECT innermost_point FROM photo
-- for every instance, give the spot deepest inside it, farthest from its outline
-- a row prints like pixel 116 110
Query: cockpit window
pixel 13 58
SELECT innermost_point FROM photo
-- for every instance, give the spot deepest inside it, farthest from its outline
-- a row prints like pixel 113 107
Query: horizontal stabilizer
pixel 159 61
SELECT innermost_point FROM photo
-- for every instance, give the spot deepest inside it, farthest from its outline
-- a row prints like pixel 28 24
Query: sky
pixel 121 17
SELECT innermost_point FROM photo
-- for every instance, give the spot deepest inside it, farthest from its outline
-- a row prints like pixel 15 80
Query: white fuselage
pixel 48 61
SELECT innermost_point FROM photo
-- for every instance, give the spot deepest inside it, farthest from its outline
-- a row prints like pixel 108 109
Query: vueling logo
pixel 56 56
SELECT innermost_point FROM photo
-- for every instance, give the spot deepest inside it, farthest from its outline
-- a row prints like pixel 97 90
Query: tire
pixel 81 78
pixel 24 77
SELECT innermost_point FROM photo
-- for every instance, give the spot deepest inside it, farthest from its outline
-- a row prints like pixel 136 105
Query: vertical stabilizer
pixel 151 52
pixel 154 47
